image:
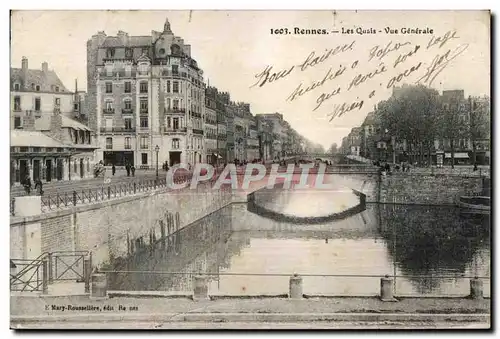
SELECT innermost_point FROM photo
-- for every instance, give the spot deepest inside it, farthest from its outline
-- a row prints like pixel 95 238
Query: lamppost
pixel 157 149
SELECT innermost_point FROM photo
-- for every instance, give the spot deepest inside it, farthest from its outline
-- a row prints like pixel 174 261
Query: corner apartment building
pixel 143 92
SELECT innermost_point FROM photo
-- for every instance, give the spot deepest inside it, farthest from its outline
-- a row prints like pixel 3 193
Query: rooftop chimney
pixel 24 69
pixel 45 67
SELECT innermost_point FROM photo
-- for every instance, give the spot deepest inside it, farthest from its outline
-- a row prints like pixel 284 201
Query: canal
pixel 428 249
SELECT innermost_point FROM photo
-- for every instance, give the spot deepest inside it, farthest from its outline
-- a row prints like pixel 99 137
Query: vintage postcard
pixel 250 169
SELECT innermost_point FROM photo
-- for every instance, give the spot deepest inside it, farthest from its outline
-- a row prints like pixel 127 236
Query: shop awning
pixel 458 155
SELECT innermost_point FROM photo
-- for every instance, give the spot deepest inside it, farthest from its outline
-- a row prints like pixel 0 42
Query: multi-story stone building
pixel 265 130
pixel 211 126
pixel 252 139
pixel 39 91
pixel 143 92
pixel 279 133
pixel 46 143
pixel 221 130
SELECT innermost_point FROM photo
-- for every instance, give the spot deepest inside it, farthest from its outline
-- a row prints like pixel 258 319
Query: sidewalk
pixel 30 311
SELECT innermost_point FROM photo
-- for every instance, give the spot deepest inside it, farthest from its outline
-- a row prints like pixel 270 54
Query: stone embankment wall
pixel 113 228
pixel 422 189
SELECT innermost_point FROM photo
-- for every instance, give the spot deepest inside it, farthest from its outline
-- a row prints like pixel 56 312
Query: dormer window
pixel 17 87
pixel 175 50
pixel 161 51
pixel 57 88
pixel 38 88
pixel 33 86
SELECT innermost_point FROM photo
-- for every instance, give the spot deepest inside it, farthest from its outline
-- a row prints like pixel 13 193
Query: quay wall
pixel 112 229
pixel 420 189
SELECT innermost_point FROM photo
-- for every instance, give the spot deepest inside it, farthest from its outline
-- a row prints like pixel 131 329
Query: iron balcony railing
pixel 108 110
pixel 175 130
pixel 197 131
pixel 117 130
pixel 174 110
pixel 127 110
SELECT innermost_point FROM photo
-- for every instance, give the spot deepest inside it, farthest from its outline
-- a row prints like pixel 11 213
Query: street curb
pixel 254 317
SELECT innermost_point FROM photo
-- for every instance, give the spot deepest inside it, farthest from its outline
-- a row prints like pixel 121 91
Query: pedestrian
pixel 166 166
pixel 27 184
pixel 113 169
pixel 404 168
pixel 475 167
pixel 132 168
pixel 39 185
pixel 127 168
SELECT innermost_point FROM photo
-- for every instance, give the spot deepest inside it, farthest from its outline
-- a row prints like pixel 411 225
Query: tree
pixel 410 114
pixel 479 122
pixel 333 149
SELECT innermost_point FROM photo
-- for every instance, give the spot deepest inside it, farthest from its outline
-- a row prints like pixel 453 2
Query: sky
pixel 233 47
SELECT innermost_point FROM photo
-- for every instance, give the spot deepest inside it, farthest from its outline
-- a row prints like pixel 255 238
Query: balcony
pixel 144 111
pixel 117 130
pixel 127 110
pixel 174 110
pixel 174 130
pixel 17 108
pixel 196 115
pixel 197 131
pixel 108 110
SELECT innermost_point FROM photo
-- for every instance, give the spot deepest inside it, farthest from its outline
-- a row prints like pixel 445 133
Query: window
pixel 38 88
pixel 175 123
pixel 109 124
pixel 143 87
pixel 38 104
pixel 109 143
pixel 17 87
pixel 144 105
pixel 57 101
pixel 110 53
pixel 176 104
pixel 128 123
pixel 144 122
pixel 144 142
pixel 17 123
pixel 75 107
pixel 175 69
pixel 127 143
pixel 168 86
pixel 57 88
pixel 144 158
pixel 175 143
pixel 175 87
pixel 109 105
pixel 128 104
pixel 168 103
pixel 169 122
pixel 128 52
pixel 128 87
pixel 33 86
pixel 109 87
pixel 17 103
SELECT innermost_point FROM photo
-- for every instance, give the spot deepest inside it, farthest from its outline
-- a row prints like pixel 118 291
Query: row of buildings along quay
pixel 146 102
pixel 456 132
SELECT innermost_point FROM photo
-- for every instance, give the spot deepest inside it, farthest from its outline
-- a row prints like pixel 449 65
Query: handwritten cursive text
pixel 439 63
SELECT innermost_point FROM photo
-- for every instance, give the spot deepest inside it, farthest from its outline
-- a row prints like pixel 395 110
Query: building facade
pixel 143 92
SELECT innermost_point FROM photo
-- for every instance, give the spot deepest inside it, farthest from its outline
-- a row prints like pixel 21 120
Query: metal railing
pixel 86 196
pixel 35 275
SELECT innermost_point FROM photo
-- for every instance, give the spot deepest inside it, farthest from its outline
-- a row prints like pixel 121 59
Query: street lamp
pixel 157 149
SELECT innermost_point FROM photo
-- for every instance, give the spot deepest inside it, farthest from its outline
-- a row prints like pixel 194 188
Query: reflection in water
pixel 384 239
